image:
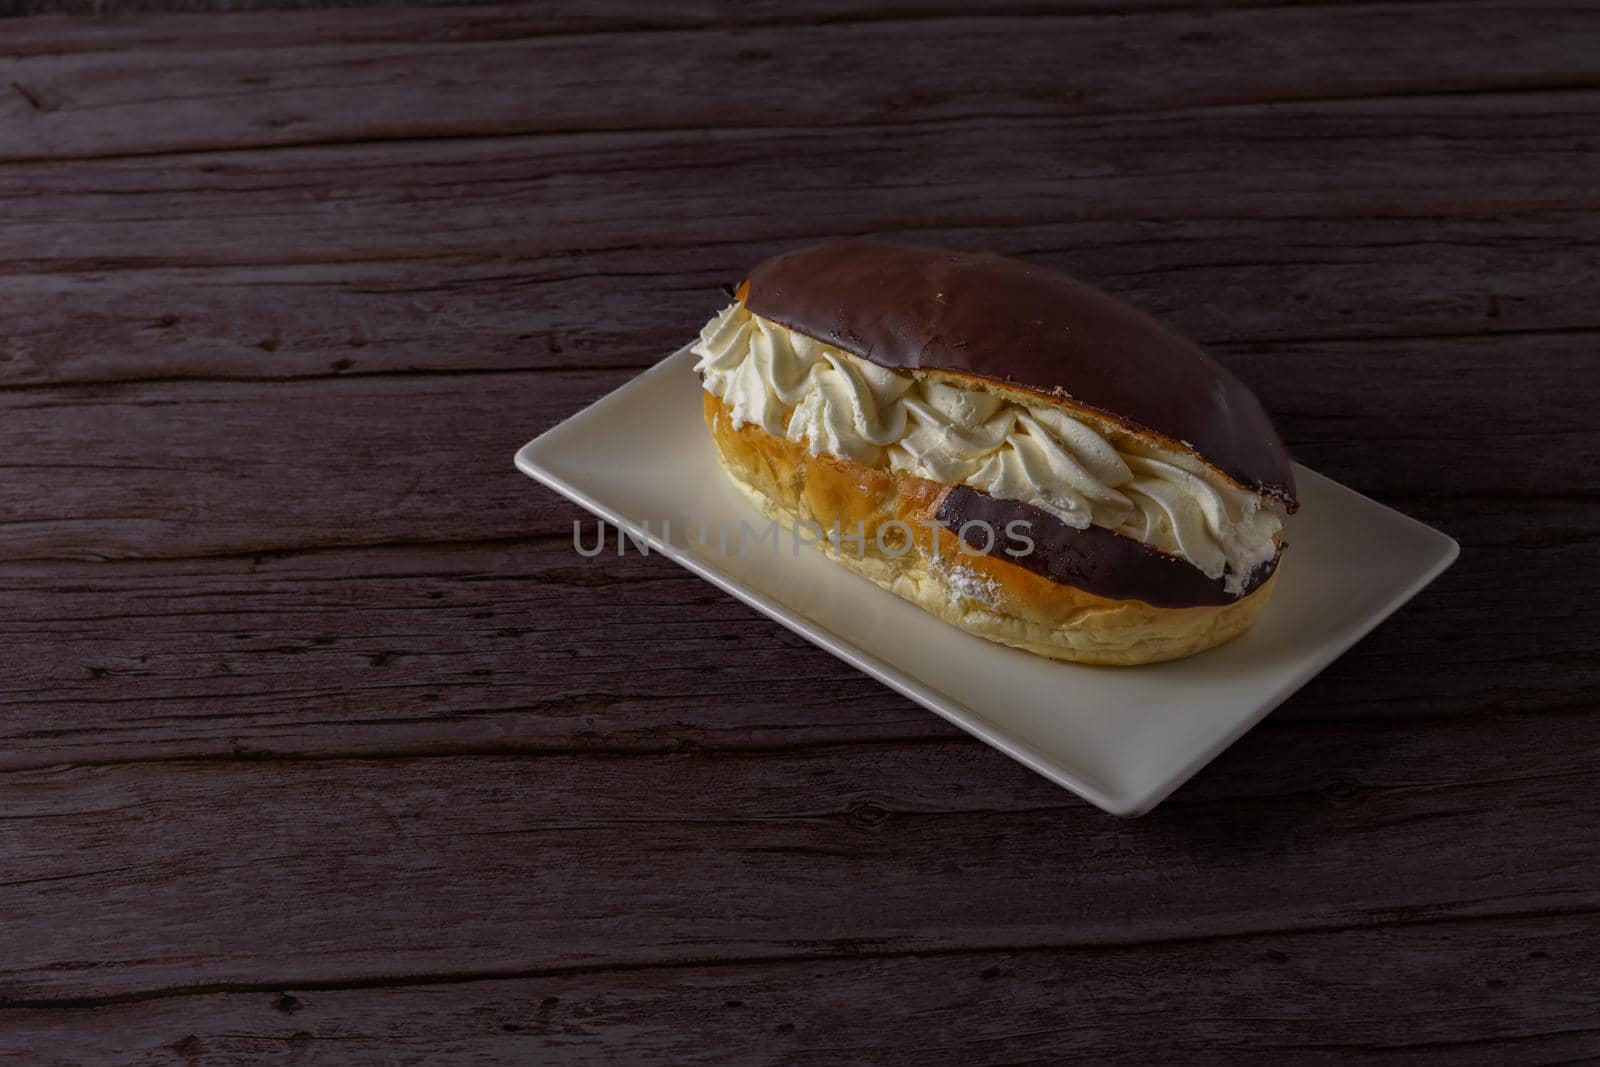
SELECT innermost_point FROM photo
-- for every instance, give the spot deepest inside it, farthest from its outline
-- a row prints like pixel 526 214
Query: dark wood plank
pixel 335 872
pixel 548 16
pixel 144 471
pixel 318 77
pixel 1486 157
pixel 1254 1000
pixel 472 255
pixel 520 646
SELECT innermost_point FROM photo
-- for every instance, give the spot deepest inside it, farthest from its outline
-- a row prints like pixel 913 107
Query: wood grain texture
pixel 319 744
pixel 321 77
pixel 872 1008
pixel 482 254
pixel 551 862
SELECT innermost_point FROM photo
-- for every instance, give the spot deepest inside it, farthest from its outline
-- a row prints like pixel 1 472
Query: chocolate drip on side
pixel 1095 560
pixel 912 308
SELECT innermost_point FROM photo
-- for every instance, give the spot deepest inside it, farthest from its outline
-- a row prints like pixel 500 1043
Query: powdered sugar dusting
pixel 966 583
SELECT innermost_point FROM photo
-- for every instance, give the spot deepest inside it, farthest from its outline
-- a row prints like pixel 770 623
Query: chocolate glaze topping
pixel 916 308
pixel 1095 560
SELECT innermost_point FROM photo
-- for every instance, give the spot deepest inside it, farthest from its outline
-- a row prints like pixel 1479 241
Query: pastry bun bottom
pixel 984 595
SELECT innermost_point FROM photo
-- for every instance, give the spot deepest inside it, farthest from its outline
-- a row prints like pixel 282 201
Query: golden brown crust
pixel 984 595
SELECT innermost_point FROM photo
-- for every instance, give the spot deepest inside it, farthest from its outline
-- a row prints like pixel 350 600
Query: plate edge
pixel 1084 785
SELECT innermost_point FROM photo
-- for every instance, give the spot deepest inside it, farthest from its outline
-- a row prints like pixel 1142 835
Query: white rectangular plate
pixel 1121 738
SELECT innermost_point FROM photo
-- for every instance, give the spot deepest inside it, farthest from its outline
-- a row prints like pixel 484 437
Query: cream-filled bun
pixel 1012 450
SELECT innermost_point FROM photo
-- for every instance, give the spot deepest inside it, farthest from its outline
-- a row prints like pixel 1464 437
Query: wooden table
pixel 319 743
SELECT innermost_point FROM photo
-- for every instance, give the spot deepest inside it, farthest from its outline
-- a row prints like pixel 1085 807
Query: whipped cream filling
pixel 837 404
